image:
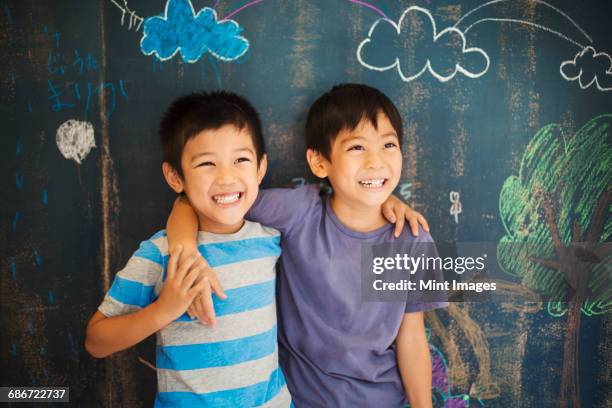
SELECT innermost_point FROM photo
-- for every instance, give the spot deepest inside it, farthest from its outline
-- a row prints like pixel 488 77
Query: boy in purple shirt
pixel 335 349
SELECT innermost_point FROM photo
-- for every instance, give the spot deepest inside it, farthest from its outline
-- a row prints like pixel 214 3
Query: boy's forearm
pixel 107 335
pixel 415 366
pixel 182 226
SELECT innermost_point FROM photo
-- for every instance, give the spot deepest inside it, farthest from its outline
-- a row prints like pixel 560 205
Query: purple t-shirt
pixel 335 350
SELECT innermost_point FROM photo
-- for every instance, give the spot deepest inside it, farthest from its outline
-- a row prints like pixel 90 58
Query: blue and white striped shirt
pixel 236 363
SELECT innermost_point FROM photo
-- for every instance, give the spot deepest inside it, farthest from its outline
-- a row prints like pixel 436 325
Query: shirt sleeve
pixel 426 248
pixel 283 208
pixel 134 286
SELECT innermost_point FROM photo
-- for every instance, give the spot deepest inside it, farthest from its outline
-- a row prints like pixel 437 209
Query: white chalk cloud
pixel 589 67
pixel 443 54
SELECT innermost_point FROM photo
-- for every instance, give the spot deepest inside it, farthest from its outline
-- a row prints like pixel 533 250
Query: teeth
pixel 372 183
pixel 226 198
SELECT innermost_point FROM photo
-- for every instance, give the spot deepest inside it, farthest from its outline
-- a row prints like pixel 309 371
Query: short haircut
pixel 192 114
pixel 343 107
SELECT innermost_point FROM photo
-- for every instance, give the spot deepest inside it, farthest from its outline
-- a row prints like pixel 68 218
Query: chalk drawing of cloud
pixel 589 67
pixel 180 29
pixel 443 54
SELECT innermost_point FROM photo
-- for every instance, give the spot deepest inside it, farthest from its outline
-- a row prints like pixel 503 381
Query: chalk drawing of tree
pixel 558 219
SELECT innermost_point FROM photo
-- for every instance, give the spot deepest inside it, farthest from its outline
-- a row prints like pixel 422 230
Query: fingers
pixel 207 303
pixel 185 265
pixel 206 271
pixel 190 279
pixel 174 262
pixel 217 288
pixel 200 265
pixel 414 226
pixel 387 211
pixel 423 222
pixel 204 290
pixel 214 282
pixel 415 218
pixel 399 226
pixel 199 307
pixel 191 310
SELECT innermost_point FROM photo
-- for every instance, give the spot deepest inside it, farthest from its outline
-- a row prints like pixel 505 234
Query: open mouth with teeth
pixel 373 183
pixel 227 199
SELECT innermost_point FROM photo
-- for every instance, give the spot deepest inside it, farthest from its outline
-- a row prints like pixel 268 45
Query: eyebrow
pixel 352 138
pixel 240 150
pixel 357 137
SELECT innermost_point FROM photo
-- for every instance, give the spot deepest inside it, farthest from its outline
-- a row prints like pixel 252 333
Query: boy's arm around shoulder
pixel 284 208
pixel 414 361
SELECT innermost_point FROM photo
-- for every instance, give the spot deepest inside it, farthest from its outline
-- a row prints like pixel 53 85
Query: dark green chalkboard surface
pixel 507 109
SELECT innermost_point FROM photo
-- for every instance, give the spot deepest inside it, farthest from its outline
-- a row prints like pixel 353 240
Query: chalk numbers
pixel 455 208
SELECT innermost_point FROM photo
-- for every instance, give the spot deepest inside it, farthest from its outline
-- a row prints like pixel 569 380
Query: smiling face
pixel 220 177
pixel 364 167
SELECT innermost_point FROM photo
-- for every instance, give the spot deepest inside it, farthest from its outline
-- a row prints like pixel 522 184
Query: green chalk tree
pixel 558 218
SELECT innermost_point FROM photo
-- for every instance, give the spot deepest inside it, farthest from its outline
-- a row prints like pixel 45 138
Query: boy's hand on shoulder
pixel 398 212
pixel 202 306
pixel 181 287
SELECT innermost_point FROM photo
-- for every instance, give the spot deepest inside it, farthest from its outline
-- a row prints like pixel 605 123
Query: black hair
pixel 343 107
pixel 189 115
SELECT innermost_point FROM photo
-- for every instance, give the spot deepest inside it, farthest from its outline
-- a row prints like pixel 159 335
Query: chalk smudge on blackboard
pixel 16 218
pixel 13 269
pixel 18 181
pixel 37 259
pixel 304 40
pixel 75 139
pixel 7 13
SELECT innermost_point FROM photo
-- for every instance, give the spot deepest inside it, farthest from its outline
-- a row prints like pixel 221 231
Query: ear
pixel 263 167
pixel 317 163
pixel 172 178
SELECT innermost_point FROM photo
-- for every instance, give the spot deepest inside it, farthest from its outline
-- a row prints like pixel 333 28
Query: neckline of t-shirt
pixel 346 230
pixel 207 235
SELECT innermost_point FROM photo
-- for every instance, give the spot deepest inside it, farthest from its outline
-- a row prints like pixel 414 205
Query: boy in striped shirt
pixel 213 154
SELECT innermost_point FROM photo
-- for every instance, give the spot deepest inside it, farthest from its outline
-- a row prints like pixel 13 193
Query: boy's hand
pixel 202 306
pixel 396 211
pixel 181 287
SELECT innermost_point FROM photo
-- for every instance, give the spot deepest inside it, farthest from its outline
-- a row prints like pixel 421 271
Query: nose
pixel 374 160
pixel 225 175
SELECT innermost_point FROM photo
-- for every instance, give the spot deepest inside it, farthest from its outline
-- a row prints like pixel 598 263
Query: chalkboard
pixel 507 107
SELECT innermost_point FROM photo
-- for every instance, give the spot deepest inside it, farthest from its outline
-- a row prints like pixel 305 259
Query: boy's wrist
pixel 160 314
pixel 188 247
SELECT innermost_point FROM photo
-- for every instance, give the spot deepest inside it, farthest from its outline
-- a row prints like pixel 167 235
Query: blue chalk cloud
pixel 589 67
pixel 180 29
pixel 413 46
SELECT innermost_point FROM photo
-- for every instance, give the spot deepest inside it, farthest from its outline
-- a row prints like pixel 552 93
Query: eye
pixel 356 147
pixel 206 163
pixel 242 160
pixel 390 145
